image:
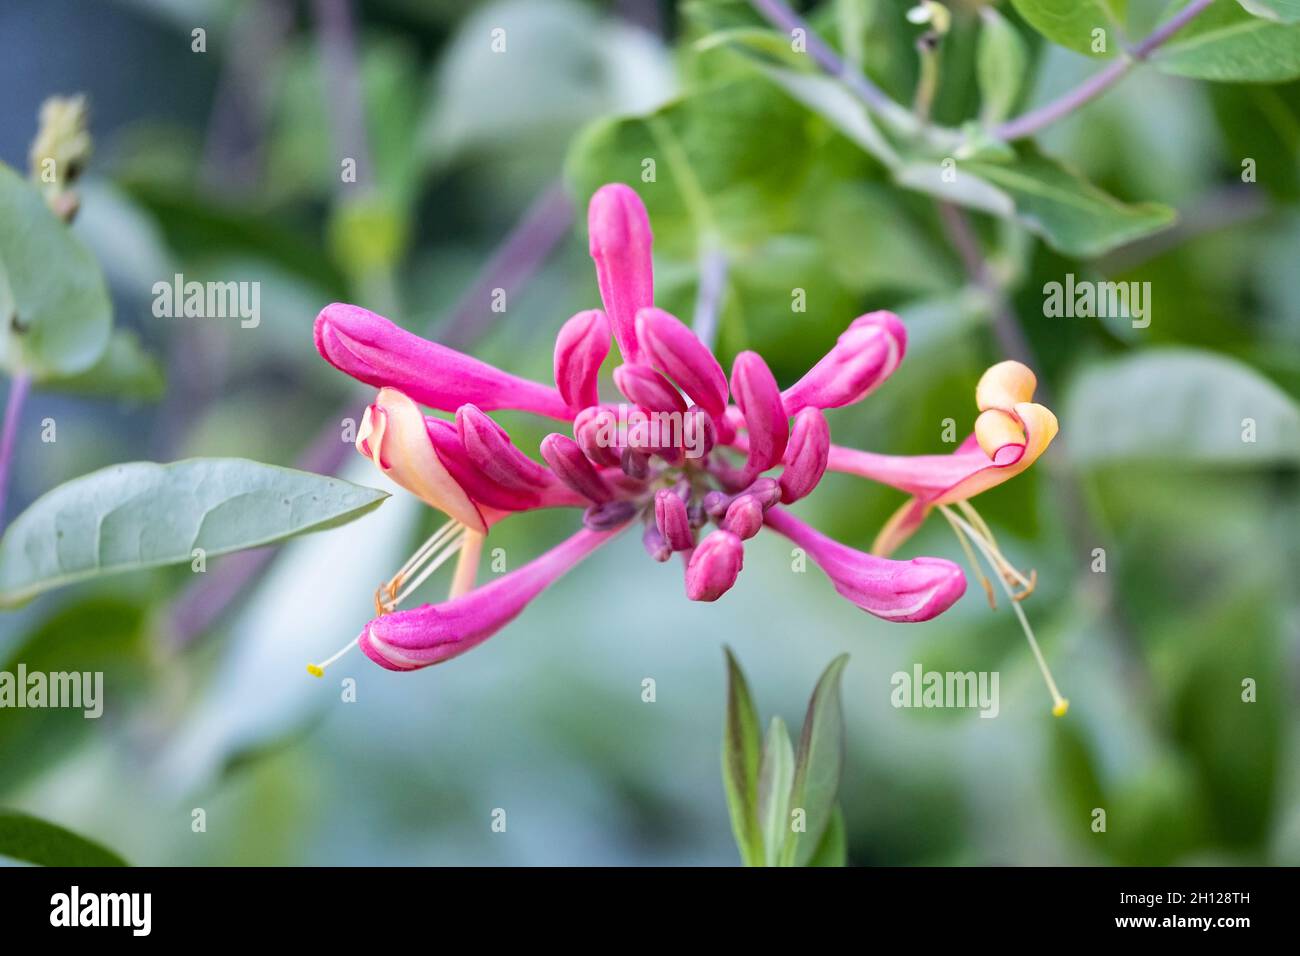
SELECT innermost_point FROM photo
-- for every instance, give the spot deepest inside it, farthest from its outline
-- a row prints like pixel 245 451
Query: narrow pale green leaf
pixel 1227 44
pixel 1001 61
pixel 1280 11
pixel 142 515
pixel 55 312
pixel 125 371
pixel 1068 212
pixel 1180 405
pixel 32 840
pixel 1071 23
pixel 819 766
pixel 775 777
pixel 833 848
pixel 740 759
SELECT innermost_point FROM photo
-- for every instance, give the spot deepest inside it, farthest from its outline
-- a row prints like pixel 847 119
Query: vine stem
pixel 19 386
pixel 780 15
pixel 1029 123
pixel 708 300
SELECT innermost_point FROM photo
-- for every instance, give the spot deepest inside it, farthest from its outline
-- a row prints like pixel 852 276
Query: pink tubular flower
pixel 676 456
pixel 433 633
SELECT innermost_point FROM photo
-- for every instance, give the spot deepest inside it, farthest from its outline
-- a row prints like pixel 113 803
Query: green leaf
pixel 1227 44
pixel 740 758
pixel 32 840
pixel 1281 11
pixel 1071 22
pixel 819 766
pixel 1179 405
pixel 1068 212
pixel 143 515
pixel 775 776
pixel 125 371
pixel 103 633
pixel 721 162
pixel 55 313
pixel 1001 61
pixel 833 848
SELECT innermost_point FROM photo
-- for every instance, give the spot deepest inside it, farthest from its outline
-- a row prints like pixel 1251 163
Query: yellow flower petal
pixel 1004 386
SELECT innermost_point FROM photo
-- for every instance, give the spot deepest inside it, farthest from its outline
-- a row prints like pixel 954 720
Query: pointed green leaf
pixel 1281 11
pixel 740 758
pixel 1180 405
pixel 1071 22
pixel 1068 212
pixel 55 313
pixel 1001 61
pixel 1227 44
pixel 819 766
pixel 32 840
pixel 775 776
pixel 833 848
pixel 143 515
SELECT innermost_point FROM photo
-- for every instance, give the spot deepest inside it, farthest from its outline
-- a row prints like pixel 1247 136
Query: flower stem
pixel 1031 122
pixel 18 389
pixel 708 300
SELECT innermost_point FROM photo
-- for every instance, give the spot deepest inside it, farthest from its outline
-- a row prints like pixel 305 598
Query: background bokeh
pixel 225 165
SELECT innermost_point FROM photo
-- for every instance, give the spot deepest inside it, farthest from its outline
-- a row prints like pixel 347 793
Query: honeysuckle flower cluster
pixel 702 461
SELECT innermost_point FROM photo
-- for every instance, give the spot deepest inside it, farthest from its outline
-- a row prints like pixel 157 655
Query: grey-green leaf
pixel 740 759
pixel 1071 22
pixel 833 848
pixel 32 840
pixel 142 515
pixel 1227 44
pixel 1281 11
pixel 1001 61
pixel 819 766
pixel 1180 405
pixel 125 371
pixel 55 313
pixel 775 777
pixel 1068 212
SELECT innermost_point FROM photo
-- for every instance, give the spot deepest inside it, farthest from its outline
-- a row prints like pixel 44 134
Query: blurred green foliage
pixel 227 164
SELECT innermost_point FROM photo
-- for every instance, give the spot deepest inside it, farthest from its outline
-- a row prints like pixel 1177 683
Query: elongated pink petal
pixel 744 517
pixel 596 431
pixel 714 566
pixel 375 351
pixel 866 354
pixel 580 348
pixel 618 230
pixel 647 388
pixel 433 633
pixel 678 352
pixel 550 492
pixel 672 521
pixel 759 398
pixel 915 590
pixel 493 453
pixel 806 454
pixel 573 468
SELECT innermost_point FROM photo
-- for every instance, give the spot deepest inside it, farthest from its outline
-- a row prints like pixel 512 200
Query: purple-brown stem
pixel 1094 86
pixel 19 386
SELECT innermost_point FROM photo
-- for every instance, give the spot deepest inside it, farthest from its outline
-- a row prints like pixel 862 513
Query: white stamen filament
pixel 1059 704
pixel 450 538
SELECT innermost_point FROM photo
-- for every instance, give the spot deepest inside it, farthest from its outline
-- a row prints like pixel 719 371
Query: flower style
pixel 687 446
